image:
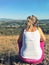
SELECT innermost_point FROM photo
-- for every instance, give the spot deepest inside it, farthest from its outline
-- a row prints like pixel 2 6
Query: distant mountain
pixel 12 20
pixel 5 19
pixel 9 20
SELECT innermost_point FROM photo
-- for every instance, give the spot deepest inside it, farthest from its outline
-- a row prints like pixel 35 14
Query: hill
pixel 12 27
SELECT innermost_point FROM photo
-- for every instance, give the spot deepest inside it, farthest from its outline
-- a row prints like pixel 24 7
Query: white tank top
pixel 31 45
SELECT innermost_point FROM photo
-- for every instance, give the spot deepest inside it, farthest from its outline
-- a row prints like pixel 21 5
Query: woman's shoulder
pixel 40 29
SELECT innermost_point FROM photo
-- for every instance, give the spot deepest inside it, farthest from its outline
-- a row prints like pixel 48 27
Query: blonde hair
pixel 33 19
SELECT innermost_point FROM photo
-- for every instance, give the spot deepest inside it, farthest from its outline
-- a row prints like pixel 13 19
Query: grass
pixel 9 46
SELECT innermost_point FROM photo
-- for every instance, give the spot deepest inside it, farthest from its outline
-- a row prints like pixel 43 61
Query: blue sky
pixel 20 9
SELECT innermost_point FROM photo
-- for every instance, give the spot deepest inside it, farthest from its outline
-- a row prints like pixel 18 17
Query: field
pixel 9 47
pixel 9 33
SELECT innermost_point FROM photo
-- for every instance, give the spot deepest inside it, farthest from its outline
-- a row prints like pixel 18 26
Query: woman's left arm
pixel 20 40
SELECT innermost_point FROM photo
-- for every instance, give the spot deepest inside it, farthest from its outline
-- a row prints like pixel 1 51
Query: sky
pixel 21 9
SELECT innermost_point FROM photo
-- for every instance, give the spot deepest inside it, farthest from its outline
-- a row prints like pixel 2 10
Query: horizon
pixel 19 19
pixel 21 9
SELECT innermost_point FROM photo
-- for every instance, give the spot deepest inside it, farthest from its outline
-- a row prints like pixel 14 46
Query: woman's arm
pixel 20 39
pixel 42 34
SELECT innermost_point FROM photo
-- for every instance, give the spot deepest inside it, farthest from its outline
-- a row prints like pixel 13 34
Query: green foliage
pixel 14 28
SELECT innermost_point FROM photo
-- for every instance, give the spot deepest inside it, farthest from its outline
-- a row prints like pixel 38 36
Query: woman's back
pixel 31 45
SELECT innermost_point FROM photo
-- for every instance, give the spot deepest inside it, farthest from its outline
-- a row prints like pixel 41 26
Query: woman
pixel 29 42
